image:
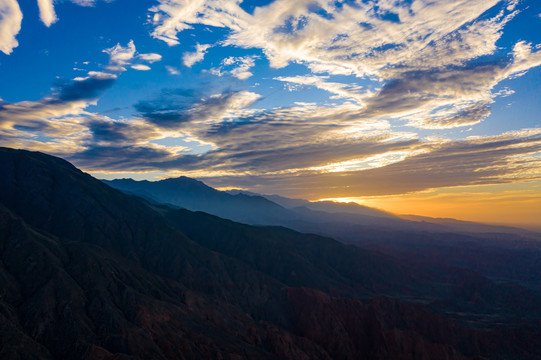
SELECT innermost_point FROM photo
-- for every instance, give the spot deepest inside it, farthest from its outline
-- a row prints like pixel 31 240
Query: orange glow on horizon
pixel 507 204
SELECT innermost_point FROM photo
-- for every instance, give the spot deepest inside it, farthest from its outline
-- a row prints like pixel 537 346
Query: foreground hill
pixel 87 272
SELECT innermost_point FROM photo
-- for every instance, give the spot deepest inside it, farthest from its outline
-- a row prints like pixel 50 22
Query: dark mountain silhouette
pixel 299 214
pixel 446 241
pixel 88 272
pixel 194 195
pixel 327 206
pixel 288 203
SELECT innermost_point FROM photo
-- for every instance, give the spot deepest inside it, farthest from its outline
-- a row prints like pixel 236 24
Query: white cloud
pixel 239 66
pixel 84 2
pixel 10 25
pixel 11 18
pixel 46 12
pixel 243 64
pixel 190 58
pixel 341 90
pixel 171 70
pixel 151 57
pixel 420 53
pixel 120 56
pixel 100 75
pixel 140 67
pixel 360 29
pixel 170 18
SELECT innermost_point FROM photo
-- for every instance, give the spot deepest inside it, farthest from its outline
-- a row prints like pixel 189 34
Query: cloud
pixel 506 158
pixel 170 16
pixel 282 140
pixel 124 158
pixel 140 67
pixel 305 150
pixel 171 70
pixel 340 90
pixel 46 12
pixel 422 55
pixel 11 19
pixel 190 59
pixel 356 38
pixel 438 98
pixel 238 67
pixel 177 107
pixel 242 65
pixel 109 132
pixel 84 2
pixel 55 115
pixel 120 56
pixel 151 57
pixel 10 24
pixel 468 116
pixel 87 89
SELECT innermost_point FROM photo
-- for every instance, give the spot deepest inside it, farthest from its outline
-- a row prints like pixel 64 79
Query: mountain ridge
pixel 279 210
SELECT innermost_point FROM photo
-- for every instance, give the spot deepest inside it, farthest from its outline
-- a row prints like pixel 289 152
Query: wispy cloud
pixel 190 58
pixel 11 19
pixel 70 99
pixel 241 66
pixel 151 57
pixel 84 2
pixel 140 67
pixel 177 107
pixel 61 115
pixel 359 38
pixel 422 53
pixel 10 24
pixel 46 12
pixel 171 17
pixel 507 158
pixel 340 90
pixel 172 70
pixel 120 56
pixel 237 67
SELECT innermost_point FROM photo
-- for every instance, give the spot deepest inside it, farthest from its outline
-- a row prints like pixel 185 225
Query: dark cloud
pixel 410 90
pixel 87 89
pixel 108 130
pixel 467 162
pixel 131 158
pixel 471 115
pixel 70 98
pixel 174 107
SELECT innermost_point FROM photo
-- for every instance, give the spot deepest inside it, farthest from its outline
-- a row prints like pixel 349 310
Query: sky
pixel 415 106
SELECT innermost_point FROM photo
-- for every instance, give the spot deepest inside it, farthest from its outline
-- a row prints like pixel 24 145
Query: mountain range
pixel 257 209
pixel 451 242
pixel 90 272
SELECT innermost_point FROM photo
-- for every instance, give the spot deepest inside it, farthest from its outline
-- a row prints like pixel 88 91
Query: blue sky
pixel 307 98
